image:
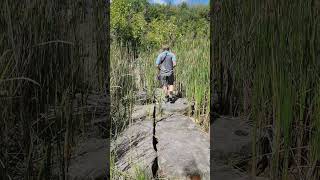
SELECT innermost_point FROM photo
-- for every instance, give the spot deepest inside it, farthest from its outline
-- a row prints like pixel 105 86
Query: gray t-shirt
pixel 165 60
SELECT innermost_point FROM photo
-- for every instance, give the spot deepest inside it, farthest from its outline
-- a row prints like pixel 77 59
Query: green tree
pixel 144 25
pixel 162 31
pixel 128 24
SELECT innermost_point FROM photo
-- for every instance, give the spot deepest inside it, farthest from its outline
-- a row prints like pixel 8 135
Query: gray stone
pixel 231 138
pixel 141 112
pixel 223 172
pixel 134 147
pixel 180 106
pixel 227 138
pixel 90 160
pixel 183 149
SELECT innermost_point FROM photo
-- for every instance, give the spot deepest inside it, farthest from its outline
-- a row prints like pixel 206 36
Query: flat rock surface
pixel 134 147
pixel 140 112
pixel 230 135
pixel 183 149
pixel 180 106
pixel 90 161
pixel 221 171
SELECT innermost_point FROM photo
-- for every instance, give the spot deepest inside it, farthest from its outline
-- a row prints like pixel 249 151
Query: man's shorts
pixel 167 80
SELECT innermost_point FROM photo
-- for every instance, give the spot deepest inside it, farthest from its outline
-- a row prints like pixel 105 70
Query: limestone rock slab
pixel 183 149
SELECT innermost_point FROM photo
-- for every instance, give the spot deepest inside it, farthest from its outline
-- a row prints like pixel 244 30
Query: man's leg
pixel 170 86
pixel 165 89
pixel 164 84
pixel 166 93
pixel 170 90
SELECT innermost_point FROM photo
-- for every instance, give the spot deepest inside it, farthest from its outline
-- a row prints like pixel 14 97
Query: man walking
pixel 166 61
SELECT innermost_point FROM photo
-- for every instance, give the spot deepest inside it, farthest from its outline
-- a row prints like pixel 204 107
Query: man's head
pixel 165 47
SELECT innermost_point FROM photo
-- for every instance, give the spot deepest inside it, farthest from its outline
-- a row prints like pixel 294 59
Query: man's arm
pixel 174 60
pixel 158 61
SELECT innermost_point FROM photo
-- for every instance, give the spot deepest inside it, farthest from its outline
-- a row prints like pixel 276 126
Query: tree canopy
pixel 145 25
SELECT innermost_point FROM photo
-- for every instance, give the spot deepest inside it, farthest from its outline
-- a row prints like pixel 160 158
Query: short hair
pixel 165 47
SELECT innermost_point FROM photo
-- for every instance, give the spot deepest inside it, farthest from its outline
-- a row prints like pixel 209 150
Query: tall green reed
pixel 43 67
pixel 270 49
pixel 192 72
pixel 122 88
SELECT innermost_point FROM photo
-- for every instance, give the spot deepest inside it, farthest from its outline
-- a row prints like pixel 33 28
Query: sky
pixel 175 2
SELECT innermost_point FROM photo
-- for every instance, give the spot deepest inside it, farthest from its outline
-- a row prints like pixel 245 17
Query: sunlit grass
pixel 122 88
pixel 192 72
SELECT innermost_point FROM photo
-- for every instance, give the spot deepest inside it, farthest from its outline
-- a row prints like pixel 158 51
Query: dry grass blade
pixel 20 78
pixel 54 42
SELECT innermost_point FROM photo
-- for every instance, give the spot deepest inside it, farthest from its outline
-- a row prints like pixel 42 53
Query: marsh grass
pixel 43 67
pixel 191 73
pixel 266 55
pixel 122 88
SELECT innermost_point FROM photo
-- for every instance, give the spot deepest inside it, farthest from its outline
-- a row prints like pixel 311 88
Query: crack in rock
pixel 171 153
pixel 155 165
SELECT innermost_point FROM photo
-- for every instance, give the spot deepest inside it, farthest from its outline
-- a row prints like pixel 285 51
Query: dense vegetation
pixel 266 67
pixel 147 26
pixel 45 64
pixel 138 29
